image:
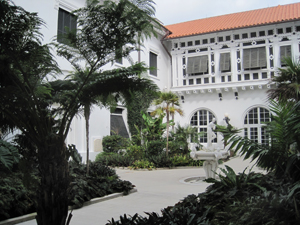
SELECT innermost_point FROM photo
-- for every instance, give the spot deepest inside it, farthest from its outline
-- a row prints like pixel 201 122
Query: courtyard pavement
pixel 156 190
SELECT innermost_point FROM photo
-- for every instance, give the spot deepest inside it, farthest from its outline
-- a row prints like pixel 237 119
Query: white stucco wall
pixel 100 118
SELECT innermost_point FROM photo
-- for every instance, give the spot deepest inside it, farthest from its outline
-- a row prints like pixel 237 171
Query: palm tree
pixel 43 110
pixel 168 104
pixel 283 133
pixel 288 82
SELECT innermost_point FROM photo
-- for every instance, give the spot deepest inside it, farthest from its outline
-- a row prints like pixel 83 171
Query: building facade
pixel 219 65
pixel 222 66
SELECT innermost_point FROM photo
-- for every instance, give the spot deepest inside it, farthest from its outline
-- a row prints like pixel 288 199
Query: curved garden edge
pixel 32 216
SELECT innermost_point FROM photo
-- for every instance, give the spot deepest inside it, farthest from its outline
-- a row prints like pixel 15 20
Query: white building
pixel 217 65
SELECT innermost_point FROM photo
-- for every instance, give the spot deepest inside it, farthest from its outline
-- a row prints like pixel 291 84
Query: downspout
pixel 168 32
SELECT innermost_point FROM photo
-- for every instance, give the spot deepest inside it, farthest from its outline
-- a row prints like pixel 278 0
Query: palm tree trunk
pixel 173 126
pixel 53 190
pixel 168 124
pixel 87 128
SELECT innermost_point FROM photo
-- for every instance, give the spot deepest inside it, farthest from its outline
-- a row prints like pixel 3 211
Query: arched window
pixel 200 120
pixel 254 125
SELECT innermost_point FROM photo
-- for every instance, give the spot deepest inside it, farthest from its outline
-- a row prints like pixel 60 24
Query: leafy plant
pixel 142 164
pixel 114 143
pixel 101 181
pixel 161 160
pixel 8 154
pixel 114 159
pixel 155 147
pixel 135 152
pixel 154 127
pixel 181 137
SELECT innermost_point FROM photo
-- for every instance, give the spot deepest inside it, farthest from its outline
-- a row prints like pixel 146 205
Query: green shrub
pixel 180 160
pixel 175 148
pixel 193 162
pixel 155 147
pixel 161 160
pixel 101 181
pixel 142 164
pixel 15 198
pixel 114 159
pixel 114 143
pixel 135 151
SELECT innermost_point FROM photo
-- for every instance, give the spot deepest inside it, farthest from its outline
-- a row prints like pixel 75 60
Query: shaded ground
pixel 157 189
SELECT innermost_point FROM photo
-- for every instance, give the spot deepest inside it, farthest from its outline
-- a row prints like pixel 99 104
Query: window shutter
pixel 193 65
pixel 225 61
pixel 246 58
pixel 254 58
pixel 60 25
pixel 285 51
pixel 203 64
pixel 262 61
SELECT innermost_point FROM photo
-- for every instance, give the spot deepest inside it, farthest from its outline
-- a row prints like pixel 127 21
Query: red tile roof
pixel 280 13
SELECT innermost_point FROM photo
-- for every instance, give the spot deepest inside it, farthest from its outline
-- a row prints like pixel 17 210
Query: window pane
pixel 194 120
pixel 193 65
pixel 153 64
pixel 264 115
pixel 254 134
pixel 225 62
pixel 264 136
pixel 203 139
pixel 245 132
pixel 200 120
pixel 285 51
pixel 203 117
pixel 66 22
pixel 254 58
pixel 204 63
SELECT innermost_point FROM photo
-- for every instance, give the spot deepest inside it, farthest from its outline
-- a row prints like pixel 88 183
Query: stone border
pixel 32 216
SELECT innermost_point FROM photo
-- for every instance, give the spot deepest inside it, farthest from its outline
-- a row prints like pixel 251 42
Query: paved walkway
pixel 156 190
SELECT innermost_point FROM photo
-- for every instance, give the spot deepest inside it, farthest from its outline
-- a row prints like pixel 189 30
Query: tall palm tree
pixel 168 104
pixel 288 82
pixel 43 110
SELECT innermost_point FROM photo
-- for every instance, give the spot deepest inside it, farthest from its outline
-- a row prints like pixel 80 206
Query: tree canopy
pixel 43 109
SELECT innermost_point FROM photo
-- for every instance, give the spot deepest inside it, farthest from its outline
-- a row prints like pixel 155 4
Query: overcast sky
pixel 176 11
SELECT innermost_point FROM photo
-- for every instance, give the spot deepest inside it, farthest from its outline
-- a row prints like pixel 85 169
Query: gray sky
pixel 176 11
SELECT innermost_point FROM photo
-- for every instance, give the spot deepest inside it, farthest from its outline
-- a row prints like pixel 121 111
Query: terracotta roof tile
pixel 236 20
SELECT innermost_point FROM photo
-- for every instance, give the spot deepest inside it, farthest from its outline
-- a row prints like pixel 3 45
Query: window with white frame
pixel 200 120
pixel 197 65
pixel 67 22
pixel 254 58
pixel 254 125
pixel 225 62
pixel 285 51
pixel 153 63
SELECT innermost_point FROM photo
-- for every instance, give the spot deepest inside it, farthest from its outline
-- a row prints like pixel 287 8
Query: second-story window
pixel 66 22
pixel 254 58
pixel 153 63
pixel 197 65
pixel 285 51
pixel 225 62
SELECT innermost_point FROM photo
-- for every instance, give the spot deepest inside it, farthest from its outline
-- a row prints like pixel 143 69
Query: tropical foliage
pixel 17 199
pixel 167 105
pixel 287 82
pixel 43 108
pixel 251 198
